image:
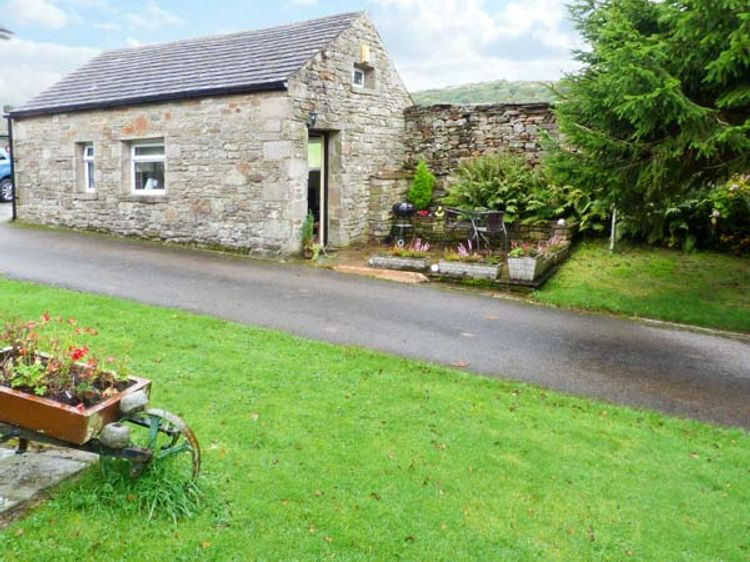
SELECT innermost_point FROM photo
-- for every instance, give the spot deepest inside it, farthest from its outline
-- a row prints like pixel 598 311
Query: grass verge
pixel 314 451
pixel 703 289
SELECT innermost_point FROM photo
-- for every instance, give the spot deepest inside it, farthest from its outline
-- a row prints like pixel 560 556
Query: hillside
pixel 497 91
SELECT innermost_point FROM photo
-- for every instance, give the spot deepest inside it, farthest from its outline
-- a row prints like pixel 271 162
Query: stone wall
pixel 227 172
pixel 365 125
pixel 236 166
pixel 445 134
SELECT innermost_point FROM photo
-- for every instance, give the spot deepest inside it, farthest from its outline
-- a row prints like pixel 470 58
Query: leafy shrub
pixel 709 217
pixel 499 182
pixel 506 182
pixel 420 193
pixel 307 230
pixel 588 211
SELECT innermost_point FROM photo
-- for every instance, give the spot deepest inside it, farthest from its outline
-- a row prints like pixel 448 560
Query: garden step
pixel 388 274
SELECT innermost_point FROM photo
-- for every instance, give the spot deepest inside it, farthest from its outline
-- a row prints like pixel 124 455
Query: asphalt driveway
pixel 690 374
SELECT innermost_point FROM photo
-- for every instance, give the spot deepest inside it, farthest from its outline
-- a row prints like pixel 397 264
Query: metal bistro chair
pixel 489 225
pixel 458 218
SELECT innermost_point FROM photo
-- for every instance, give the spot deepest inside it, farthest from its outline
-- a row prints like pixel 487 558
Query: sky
pixel 433 43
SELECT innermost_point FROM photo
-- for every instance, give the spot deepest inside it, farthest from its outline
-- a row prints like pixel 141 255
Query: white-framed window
pixel 88 167
pixel 147 163
pixel 358 78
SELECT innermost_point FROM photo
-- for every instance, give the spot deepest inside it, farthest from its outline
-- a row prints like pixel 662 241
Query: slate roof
pixel 239 62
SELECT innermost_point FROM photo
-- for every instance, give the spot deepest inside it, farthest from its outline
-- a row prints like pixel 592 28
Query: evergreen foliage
pixel 420 193
pixel 660 112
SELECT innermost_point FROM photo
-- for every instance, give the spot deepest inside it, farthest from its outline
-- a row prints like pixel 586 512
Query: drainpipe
pixel 12 162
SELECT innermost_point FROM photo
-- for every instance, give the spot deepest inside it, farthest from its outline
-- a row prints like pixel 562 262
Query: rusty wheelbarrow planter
pixel 31 418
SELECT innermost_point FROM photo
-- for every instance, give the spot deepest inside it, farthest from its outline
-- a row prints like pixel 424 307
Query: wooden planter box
pixel 527 269
pixel 401 264
pixel 471 270
pixel 60 420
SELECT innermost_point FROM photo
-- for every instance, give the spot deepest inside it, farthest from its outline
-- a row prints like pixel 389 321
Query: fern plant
pixel 499 182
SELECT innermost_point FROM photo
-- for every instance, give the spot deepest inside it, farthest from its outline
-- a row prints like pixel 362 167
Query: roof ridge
pixel 213 65
pixel 248 32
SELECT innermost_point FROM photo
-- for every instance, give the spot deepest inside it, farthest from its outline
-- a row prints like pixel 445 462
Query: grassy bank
pixel 314 451
pixel 702 288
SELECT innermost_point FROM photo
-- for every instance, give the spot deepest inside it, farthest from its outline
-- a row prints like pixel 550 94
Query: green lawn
pixel 314 451
pixel 702 288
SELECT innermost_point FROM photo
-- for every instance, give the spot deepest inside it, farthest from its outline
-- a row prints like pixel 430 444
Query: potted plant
pixel 50 382
pixel 413 257
pixel 420 192
pixel 466 262
pixel 307 235
pixel 527 261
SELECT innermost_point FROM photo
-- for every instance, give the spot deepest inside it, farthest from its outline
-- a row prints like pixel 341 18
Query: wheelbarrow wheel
pixel 170 440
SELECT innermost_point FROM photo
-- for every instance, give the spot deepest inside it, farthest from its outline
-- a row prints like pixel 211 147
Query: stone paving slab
pixel 24 477
pixel 410 277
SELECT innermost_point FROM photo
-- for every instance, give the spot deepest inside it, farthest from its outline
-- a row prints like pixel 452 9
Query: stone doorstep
pixel 410 277
pixel 25 477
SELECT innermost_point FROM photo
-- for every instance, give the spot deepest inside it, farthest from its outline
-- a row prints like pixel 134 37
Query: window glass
pixel 149 176
pixel 359 77
pixel 88 167
pixel 148 168
pixel 149 150
pixel 314 153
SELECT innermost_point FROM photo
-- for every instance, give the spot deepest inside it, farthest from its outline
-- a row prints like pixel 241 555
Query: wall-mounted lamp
pixel 312 119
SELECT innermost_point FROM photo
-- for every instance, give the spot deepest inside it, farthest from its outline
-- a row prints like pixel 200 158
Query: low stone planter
pixel 470 270
pixel 527 269
pixel 560 256
pixel 399 263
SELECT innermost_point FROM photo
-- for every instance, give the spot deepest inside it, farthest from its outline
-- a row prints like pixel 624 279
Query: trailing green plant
pixel 308 230
pixel 422 187
pixel 499 182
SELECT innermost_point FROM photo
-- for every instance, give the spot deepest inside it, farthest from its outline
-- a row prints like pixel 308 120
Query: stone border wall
pixel 445 134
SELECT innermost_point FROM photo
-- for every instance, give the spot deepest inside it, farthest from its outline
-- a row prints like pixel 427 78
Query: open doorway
pixel 317 184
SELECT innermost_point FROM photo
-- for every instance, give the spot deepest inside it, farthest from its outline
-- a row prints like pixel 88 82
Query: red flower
pixel 46 317
pixel 81 407
pixel 78 353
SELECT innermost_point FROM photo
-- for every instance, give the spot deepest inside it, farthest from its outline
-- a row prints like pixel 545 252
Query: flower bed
pixel 528 261
pixel 51 383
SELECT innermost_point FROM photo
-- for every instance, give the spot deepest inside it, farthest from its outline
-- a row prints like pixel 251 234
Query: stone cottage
pixel 225 140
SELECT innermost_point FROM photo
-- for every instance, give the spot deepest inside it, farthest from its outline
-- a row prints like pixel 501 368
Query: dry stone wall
pixel 445 134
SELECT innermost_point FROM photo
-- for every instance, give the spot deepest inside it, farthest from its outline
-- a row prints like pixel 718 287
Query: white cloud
pixel 30 67
pixel 153 17
pixel 40 12
pixel 443 42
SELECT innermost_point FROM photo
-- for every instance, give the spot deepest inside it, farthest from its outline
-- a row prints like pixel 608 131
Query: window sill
pixel 86 196
pixel 138 198
pixel 365 91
